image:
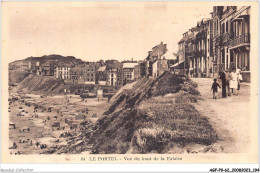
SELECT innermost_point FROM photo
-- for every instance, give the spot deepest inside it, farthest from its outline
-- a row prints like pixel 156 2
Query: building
pixel 112 77
pixel 102 75
pixel 216 44
pixel 90 73
pixel 160 65
pixel 129 70
pixel 139 70
pixel 195 51
pixel 62 71
pixel 232 39
pixel 141 67
pixel 185 52
pixel 77 74
pixel 47 68
pixel 114 73
pixel 202 59
pixel 157 53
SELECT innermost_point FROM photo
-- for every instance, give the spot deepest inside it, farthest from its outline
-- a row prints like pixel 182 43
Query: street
pixel 228 116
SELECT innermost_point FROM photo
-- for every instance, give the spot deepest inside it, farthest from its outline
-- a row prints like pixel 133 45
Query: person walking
pixel 214 87
pixel 239 78
pixel 228 78
pixel 223 81
pixel 233 82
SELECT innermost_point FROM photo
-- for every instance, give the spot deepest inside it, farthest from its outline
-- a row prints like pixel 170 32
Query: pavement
pixel 230 116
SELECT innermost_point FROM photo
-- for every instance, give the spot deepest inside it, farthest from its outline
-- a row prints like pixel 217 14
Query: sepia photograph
pixel 145 79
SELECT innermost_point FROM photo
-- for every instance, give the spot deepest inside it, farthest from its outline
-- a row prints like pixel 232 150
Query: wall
pixel 155 68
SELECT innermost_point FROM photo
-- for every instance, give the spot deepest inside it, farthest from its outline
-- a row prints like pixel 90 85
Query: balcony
pixel 200 53
pixel 225 37
pixel 189 51
pixel 220 67
pixel 218 40
pixel 240 40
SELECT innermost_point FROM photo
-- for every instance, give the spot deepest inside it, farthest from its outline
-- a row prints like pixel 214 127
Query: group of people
pixel 230 83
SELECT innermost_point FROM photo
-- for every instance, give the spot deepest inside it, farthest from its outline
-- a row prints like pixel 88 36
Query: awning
pixel 178 64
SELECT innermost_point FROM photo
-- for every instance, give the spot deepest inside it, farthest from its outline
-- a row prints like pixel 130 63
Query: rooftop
pixel 102 68
pixel 130 65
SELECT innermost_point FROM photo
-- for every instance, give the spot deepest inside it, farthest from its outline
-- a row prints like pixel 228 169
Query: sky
pixel 93 31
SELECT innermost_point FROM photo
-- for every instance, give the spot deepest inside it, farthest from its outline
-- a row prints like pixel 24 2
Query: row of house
pixel 219 43
pixel 110 72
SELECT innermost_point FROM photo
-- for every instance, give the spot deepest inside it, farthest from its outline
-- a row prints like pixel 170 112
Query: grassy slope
pixel 45 85
pixel 143 120
pixel 15 77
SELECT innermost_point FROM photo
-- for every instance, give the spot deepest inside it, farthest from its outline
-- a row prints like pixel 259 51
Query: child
pixel 214 87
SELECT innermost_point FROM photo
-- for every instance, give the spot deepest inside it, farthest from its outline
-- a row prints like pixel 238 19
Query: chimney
pixel 132 59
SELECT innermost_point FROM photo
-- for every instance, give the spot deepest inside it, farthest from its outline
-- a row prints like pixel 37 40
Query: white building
pixel 112 77
pixel 128 71
pixel 62 72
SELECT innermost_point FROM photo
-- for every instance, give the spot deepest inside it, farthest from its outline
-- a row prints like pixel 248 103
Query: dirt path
pixel 228 116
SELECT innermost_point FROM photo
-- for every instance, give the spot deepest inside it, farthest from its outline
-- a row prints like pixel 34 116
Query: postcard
pixel 129 82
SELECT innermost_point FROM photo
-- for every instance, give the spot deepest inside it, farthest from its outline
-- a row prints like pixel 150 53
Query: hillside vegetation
pixel 47 85
pixel 15 77
pixel 41 85
pixel 155 116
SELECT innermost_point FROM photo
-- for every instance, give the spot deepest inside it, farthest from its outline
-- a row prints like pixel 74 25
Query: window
pixel 227 26
pixel 243 61
pixel 223 56
pixel 217 25
pixel 231 56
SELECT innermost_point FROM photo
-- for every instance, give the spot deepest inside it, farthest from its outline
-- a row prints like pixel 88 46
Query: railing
pixel 220 67
pixel 218 40
pixel 245 38
pixel 189 51
pixel 201 52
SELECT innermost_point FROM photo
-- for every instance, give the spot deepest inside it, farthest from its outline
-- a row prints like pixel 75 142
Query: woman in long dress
pixel 239 78
pixel 233 82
